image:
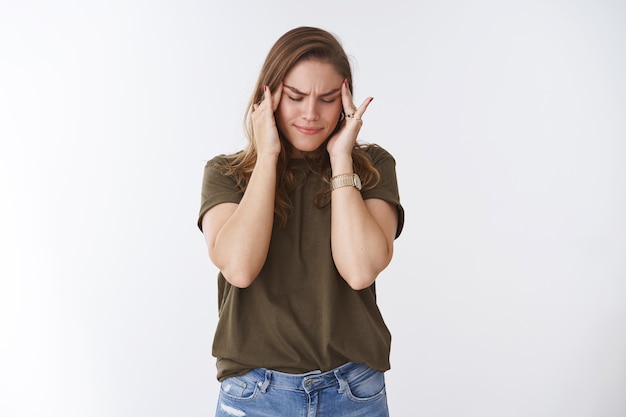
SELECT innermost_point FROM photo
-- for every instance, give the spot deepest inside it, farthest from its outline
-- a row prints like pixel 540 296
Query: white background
pixel 507 293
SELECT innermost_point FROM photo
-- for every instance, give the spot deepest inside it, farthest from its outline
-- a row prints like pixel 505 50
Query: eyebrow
pixel 295 90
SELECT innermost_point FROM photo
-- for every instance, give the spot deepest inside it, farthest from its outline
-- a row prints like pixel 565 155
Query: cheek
pixel 280 115
pixel 332 112
pixel 284 112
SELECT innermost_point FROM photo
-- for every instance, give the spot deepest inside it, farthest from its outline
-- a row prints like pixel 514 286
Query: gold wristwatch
pixel 345 180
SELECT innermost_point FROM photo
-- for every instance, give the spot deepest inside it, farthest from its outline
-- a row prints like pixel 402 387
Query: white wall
pixel 507 293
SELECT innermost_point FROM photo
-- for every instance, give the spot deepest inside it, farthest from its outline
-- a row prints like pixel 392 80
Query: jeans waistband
pixel 310 381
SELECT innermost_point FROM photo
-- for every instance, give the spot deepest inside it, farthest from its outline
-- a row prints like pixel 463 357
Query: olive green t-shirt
pixel 299 314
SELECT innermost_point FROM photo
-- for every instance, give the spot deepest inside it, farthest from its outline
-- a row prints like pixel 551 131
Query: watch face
pixel 357 182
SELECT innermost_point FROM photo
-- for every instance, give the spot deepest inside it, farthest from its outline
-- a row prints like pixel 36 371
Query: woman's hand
pixel 235 251
pixel 266 138
pixel 342 142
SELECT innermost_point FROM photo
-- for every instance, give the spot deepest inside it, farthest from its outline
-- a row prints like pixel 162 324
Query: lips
pixel 306 130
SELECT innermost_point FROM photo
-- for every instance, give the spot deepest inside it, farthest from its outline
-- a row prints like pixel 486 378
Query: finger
pixel 267 94
pixel 256 106
pixel 363 107
pixel 346 99
pixel 277 96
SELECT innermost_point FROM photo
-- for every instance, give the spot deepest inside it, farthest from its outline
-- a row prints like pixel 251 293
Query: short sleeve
pixel 217 187
pixel 387 188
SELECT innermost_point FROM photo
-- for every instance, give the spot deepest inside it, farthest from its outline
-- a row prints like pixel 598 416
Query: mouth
pixel 305 130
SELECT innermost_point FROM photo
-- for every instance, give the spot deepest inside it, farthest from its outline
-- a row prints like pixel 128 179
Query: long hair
pixel 291 48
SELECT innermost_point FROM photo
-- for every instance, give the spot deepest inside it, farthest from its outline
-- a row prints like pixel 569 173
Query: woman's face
pixel 310 105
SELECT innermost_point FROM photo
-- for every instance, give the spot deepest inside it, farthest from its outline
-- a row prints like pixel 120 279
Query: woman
pixel 300 224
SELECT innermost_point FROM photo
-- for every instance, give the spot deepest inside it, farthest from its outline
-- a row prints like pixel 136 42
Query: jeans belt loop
pixel 342 383
pixel 266 383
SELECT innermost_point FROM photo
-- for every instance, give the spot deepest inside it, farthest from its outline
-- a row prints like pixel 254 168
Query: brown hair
pixel 291 48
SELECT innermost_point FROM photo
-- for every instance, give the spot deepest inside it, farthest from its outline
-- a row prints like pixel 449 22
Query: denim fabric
pixel 352 390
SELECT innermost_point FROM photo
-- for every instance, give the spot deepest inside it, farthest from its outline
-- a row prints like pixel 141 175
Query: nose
pixel 310 110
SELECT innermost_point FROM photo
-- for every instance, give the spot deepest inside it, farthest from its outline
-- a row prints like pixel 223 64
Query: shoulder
pixel 224 165
pixel 223 160
pixel 377 154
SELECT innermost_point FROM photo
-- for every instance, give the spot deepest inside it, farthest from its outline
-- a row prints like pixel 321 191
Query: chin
pixel 306 146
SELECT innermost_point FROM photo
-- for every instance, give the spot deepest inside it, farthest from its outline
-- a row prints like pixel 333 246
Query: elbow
pixel 359 285
pixel 240 282
pixel 238 274
pixel 359 281
pixel 362 276
pixel 239 278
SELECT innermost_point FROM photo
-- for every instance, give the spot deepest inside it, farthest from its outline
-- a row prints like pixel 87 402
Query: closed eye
pixel 322 100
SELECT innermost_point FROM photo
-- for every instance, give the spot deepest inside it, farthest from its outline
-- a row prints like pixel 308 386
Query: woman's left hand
pixel 342 142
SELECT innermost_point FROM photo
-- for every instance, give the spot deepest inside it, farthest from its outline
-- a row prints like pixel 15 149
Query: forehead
pixel 311 73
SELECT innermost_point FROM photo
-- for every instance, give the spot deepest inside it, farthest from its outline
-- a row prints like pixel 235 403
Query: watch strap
pixel 345 180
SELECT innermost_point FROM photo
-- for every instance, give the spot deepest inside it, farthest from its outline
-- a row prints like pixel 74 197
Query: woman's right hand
pixel 266 137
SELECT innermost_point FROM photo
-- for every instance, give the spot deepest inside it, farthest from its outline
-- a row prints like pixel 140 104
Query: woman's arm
pixel 362 232
pixel 238 235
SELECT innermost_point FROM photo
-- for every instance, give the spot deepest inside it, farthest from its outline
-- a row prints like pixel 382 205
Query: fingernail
pixel 264 88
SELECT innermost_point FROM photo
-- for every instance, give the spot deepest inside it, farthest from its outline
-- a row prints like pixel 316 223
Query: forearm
pixel 241 245
pixel 360 247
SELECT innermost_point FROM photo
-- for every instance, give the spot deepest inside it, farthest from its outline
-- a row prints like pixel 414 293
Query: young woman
pixel 300 224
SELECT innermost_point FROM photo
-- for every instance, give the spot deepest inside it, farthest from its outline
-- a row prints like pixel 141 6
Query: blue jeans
pixel 351 390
